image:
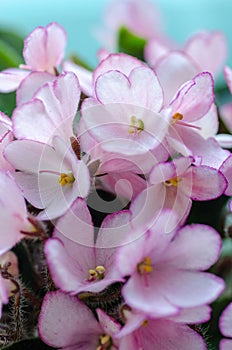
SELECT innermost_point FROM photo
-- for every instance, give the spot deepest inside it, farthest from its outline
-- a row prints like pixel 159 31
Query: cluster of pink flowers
pixel 148 134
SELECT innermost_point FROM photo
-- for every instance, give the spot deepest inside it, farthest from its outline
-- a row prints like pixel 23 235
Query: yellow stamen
pixel 145 266
pixel 172 182
pixel 136 126
pixel 97 274
pixel 176 117
pixel 105 342
pixel 65 179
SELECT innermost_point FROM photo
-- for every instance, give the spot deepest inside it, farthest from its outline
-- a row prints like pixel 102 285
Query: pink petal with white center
pixel 67 323
pixel 111 126
pixel 115 87
pixel 29 86
pixel 193 241
pixel 186 288
pixel 226 114
pixel 168 335
pixel 226 171
pixel 208 125
pixel 11 78
pixel 207 183
pixel 209 50
pixel 228 77
pixel 44 47
pixel 119 62
pixel 193 315
pixel 148 298
pixel 209 151
pixel 32 156
pixel 84 76
pixel 225 322
pixel 194 98
pixel 226 344
pixel 173 70
pixel 51 112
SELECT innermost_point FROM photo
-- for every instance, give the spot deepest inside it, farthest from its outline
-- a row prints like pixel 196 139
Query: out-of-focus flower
pixel 43 52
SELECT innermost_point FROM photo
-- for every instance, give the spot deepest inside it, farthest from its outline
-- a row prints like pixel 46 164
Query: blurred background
pixel 83 19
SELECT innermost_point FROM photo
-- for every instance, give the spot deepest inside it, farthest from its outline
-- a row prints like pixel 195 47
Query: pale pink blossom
pixel 165 266
pixel 43 51
pixel 51 177
pixel 75 261
pixel 178 182
pixel 50 112
pixel 65 322
pixel 141 331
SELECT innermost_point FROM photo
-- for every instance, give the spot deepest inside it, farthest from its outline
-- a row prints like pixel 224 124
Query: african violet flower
pixel 50 112
pixel 225 325
pixel 122 119
pixel 66 323
pixel 141 331
pixel 43 52
pixel 165 265
pixel 75 261
pixel 51 177
pixel 178 182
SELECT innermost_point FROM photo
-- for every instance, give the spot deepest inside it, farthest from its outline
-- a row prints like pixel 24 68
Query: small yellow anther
pixel 97 274
pixel 172 182
pixel 65 179
pixel 176 117
pixel 105 342
pixel 145 266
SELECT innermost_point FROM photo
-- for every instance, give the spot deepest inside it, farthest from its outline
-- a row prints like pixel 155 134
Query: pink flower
pixel 51 177
pixel 6 136
pixel 13 214
pixel 50 112
pixel 225 325
pixel 144 332
pixel 165 267
pixel 122 119
pixel 66 323
pixel 178 182
pixel 75 261
pixel 207 50
pixel 43 51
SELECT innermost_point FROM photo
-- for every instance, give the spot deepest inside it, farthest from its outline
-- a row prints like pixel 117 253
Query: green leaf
pixel 7 103
pixel 9 56
pixel 13 39
pixel 130 43
pixel 35 344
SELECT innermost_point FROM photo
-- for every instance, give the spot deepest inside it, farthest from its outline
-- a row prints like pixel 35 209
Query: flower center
pixel 145 266
pixel 176 117
pixel 65 179
pixel 97 274
pixel 172 182
pixel 136 125
pixel 105 342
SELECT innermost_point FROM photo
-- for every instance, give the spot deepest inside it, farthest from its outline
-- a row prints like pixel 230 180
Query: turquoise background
pixel 81 18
